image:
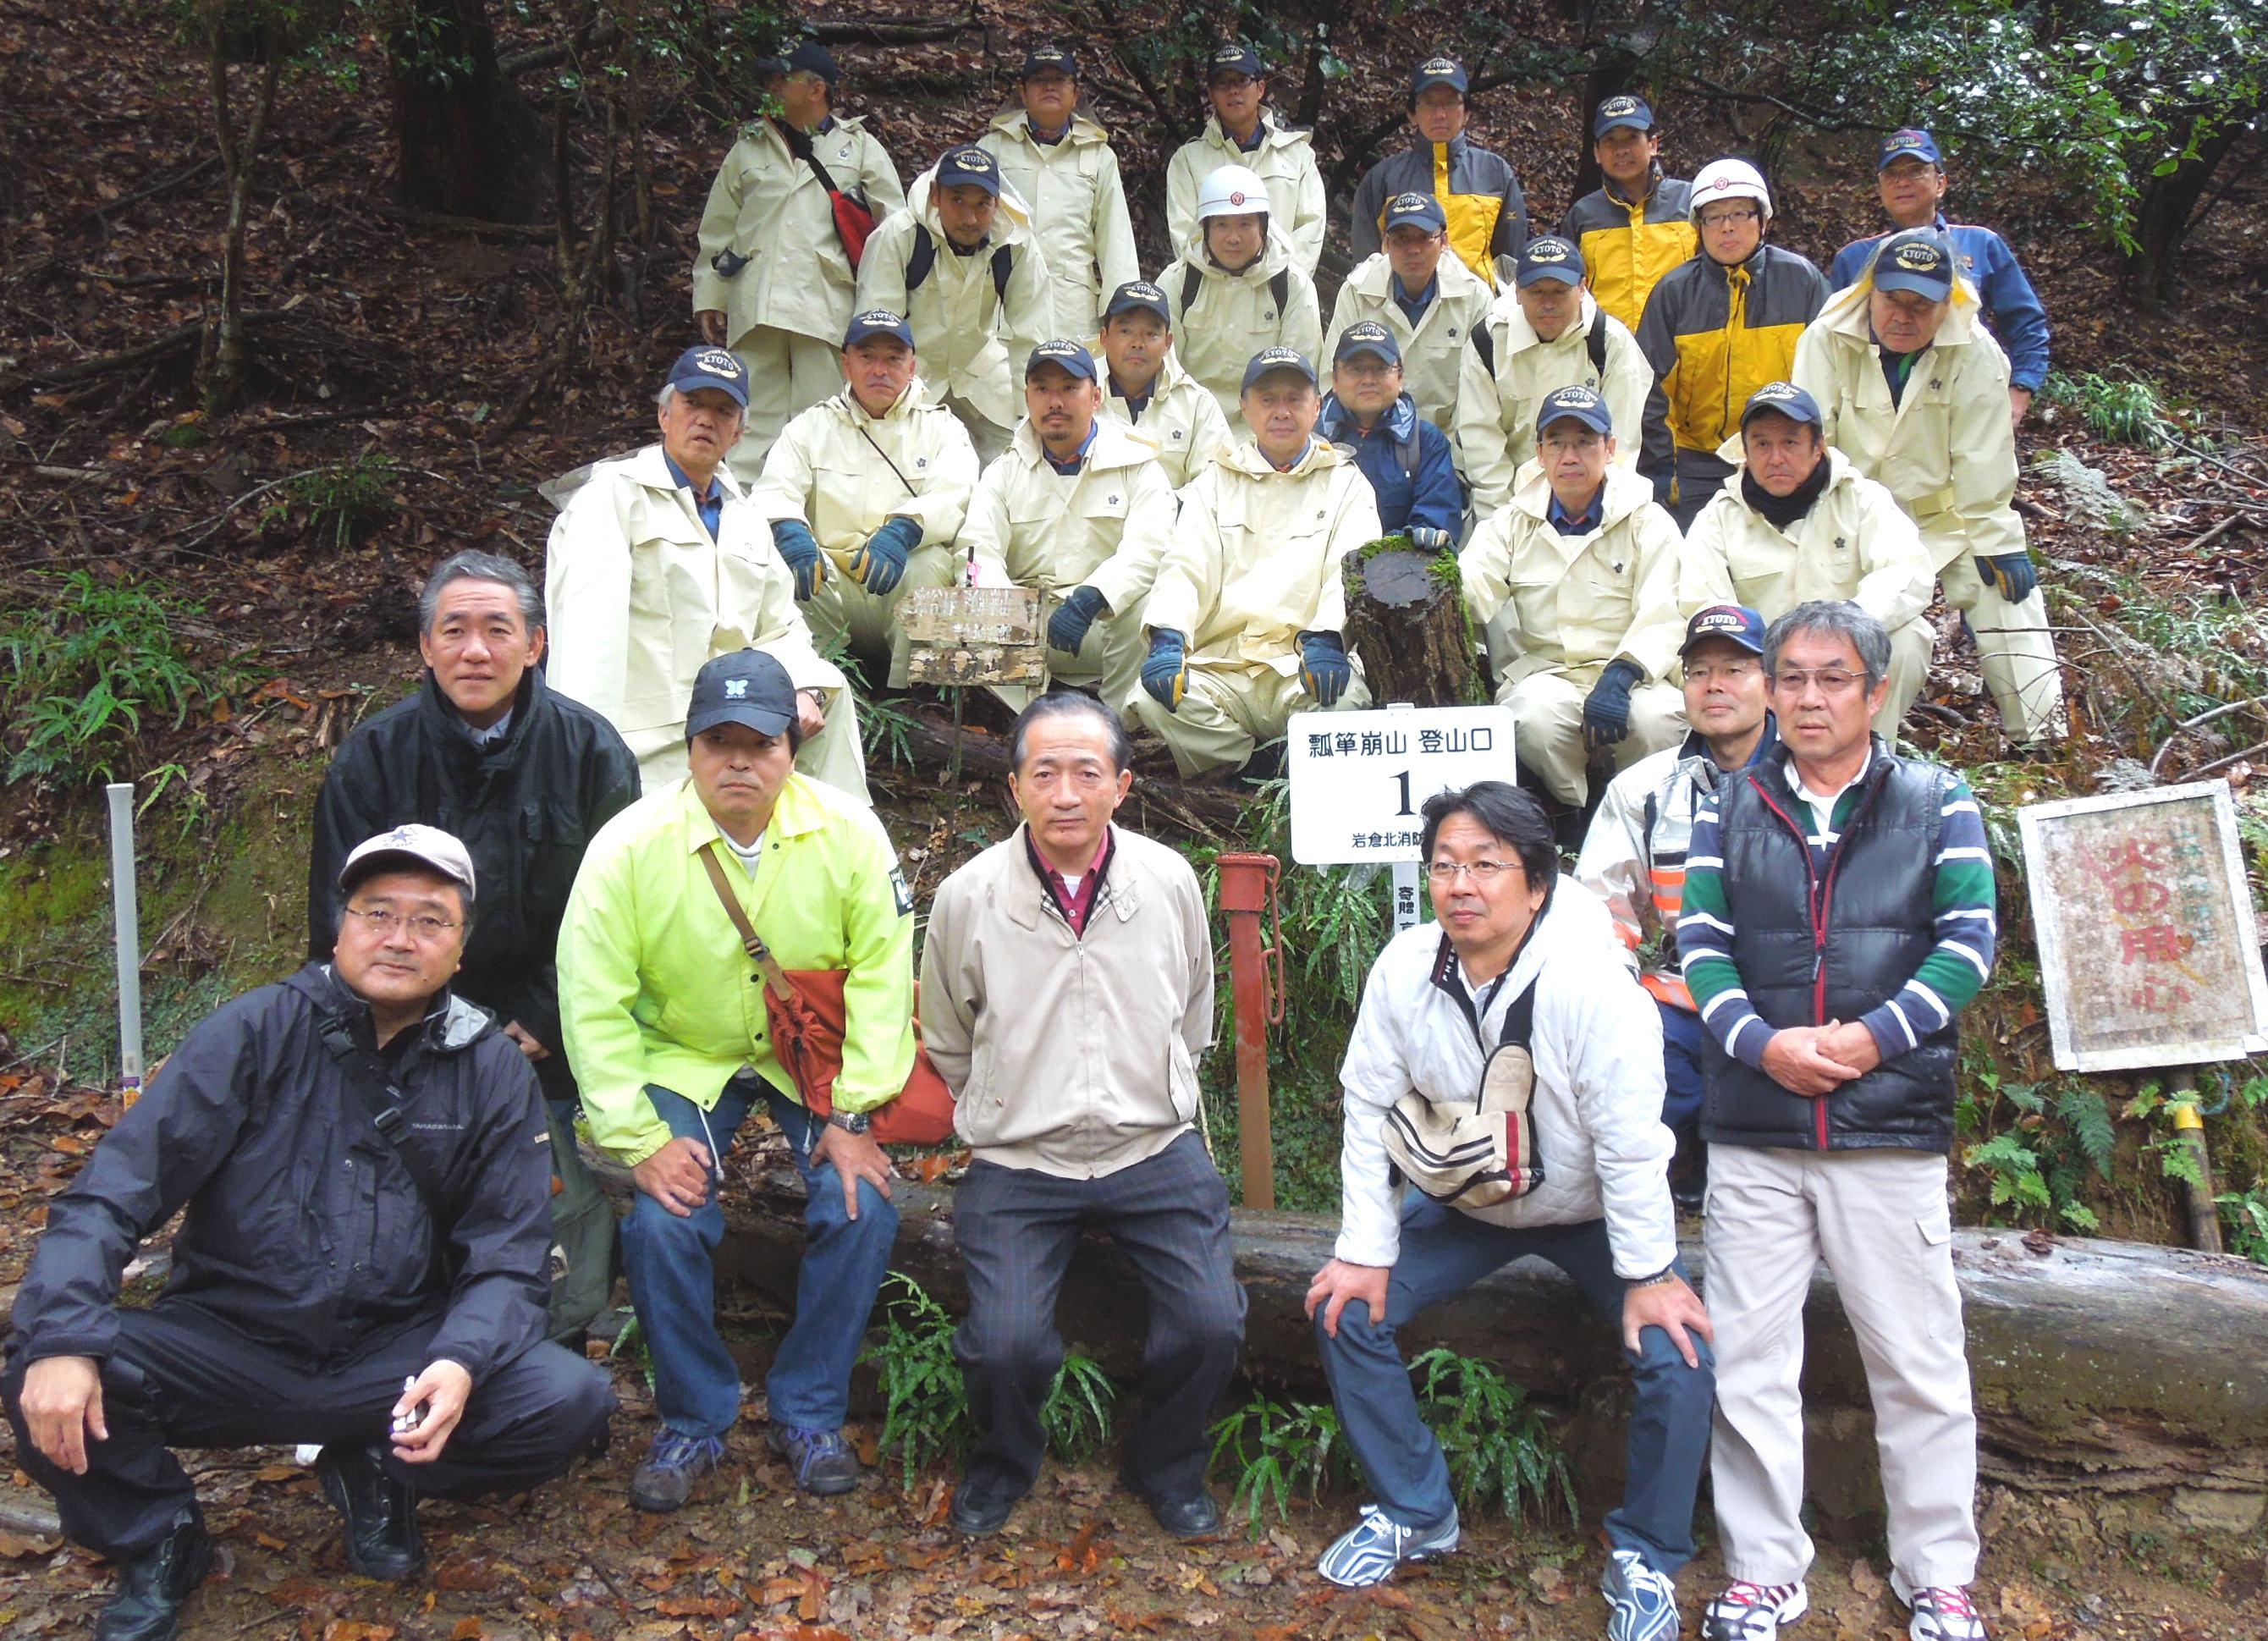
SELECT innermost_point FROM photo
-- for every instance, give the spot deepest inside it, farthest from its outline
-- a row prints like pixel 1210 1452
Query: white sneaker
pixel 1643 1599
pixel 1753 1612
pixel 1941 1612
pixel 1369 1553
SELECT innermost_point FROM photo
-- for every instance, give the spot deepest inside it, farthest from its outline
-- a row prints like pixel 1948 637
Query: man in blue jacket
pixel 1910 177
pixel 1406 458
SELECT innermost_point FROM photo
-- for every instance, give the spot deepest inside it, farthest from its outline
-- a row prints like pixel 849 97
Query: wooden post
pixel 1248 888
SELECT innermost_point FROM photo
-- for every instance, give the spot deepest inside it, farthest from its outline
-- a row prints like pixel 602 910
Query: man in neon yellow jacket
pixel 666 1031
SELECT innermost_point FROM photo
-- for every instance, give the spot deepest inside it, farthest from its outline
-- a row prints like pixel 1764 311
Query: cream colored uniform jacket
pixel 1255 560
pixel 1105 528
pixel 1077 204
pixel 1946 451
pixel 1236 315
pixel 1183 419
pixel 1579 601
pixel 972 338
pixel 1496 410
pixel 637 598
pixel 1855 544
pixel 769 207
pixel 1432 349
pixel 832 468
pixel 1072 1054
pixel 1284 160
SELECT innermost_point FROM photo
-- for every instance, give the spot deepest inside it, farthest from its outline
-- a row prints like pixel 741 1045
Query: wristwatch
pixel 849 1121
pixel 1660 1279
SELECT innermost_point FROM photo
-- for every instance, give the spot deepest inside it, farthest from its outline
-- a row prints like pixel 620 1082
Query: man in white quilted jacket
pixel 1517 955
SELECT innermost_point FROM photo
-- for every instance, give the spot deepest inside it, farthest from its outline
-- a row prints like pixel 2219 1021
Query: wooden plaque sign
pixel 2148 951
pixel 973 636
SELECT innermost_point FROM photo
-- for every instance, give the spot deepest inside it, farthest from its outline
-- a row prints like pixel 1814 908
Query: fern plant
pixel 925 1401
pixel 1081 1406
pixel 1500 1451
pixel 1275 1449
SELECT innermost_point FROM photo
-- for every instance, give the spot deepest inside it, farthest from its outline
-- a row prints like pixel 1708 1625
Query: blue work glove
pixel 1067 627
pixel 1429 540
pixel 1166 674
pixel 2011 575
pixel 1325 668
pixel 880 564
pixel 1606 711
pixel 800 549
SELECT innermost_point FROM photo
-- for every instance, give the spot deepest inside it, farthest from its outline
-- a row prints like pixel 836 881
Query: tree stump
pixel 1406 619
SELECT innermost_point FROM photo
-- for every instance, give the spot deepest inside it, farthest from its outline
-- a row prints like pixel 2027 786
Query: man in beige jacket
pixel 1146 387
pixel 1066 996
pixel 1237 288
pixel 1430 300
pixel 1243 130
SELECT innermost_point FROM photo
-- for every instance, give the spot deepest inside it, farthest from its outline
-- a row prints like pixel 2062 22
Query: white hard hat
pixel 1730 180
pixel 1232 191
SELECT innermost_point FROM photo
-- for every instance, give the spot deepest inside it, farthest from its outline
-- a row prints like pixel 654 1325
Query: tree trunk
pixel 468 145
pixel 2165 214
pixel 1406 619
pixel 227 356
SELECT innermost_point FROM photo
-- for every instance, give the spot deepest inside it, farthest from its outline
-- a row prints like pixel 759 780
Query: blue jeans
pixel 696 1386
pixel 1444 1253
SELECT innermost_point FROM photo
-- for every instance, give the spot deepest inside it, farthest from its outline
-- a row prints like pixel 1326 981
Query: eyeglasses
pixel 1830 683
pixel 385 922
pixel 1727 218
pixel 1482 872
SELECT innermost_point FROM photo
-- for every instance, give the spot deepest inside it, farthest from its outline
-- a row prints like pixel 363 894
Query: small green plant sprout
pixel 344 504
pixel 925 1401
pixel 1079 1409
pixel 1274 1449
pixel 1501 1454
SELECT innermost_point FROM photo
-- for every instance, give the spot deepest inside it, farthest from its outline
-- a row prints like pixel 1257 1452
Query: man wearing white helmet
pixel 1716 329
pixel 1236 288
pixel 1243 130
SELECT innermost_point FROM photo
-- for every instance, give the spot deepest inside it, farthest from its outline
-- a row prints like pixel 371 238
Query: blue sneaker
pixel 821 1460
pixel 1377 1545
pixel 664 1480
pixel 1643 1601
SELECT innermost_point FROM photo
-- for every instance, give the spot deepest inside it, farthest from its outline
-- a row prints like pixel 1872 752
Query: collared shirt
pixel 490 736
pixel 1039 136
pixel 711 506
pixel 1251 145
pixel 1075 900
pixel 1575 524
pixel 1135 403
pixel 1070 469
pixel 1414 307
pixel 1285 467
pixel 751 854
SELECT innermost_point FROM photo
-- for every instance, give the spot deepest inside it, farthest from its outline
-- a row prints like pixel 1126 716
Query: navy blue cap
pixel 1439 71
pixel 876 322
pixel 1368 336
pixel 969 166
pixel 1235 57
pixel 1049 60
pixel 745 686
pixel 1735 623
pixel 1582 403
pixel 1911 142
pixel 1414 210
pixel 808 57
pixel 1065 355
pixel 1782 399
pixel 1620 113
pixel 1269 360
pixel 1919 260
pixel 1548 257
pixel 1139 296
pixel 711 367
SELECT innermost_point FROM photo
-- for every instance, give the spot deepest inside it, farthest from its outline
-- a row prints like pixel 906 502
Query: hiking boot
pixel 664 1480
pixel 381 1536
pixel 1188 1518
pixel 1643 1601
pixel 1753 1612
pixel 145 1603
pixel 821 1460
pixel 1941 1612
pixel 1377 1545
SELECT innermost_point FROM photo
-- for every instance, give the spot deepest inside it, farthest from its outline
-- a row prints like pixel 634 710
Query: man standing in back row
pixel 1479 191
pixel 1244 130
pixel 1637 226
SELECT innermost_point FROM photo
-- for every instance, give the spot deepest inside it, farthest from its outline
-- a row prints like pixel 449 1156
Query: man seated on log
pixel 1546 333
pixel 1236 286
pixel 361 1161
pixel 1406 458
pixel 666 1023
pixel 1634 854
pixel 1077 931
pixel 1079 508
pixel 525 777
pixel 866 491
pixel 1247 619
pixel 1913 389
pixel 660 560
pixel 1583 567
pixel 1148 391
pixel 1800 522
pixel 1830 1067
pixel 1520 995
pixel 1427 300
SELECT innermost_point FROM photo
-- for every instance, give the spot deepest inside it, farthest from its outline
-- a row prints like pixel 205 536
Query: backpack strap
pixel 1279 286
pixel 1003 268
pixel 922 259
pixel 1519 1017
pixel 1191 280
pixel 1485 345
pixel 1596 345
pixel 383 1100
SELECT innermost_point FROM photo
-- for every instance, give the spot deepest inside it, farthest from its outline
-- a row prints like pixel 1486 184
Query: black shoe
pixel 978 1515
pixel 1193 1517
pixel 145 1604
pixel 381 1535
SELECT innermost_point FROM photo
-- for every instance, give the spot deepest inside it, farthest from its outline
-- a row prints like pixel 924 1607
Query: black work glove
pixel 1606 711
pixel 1067 627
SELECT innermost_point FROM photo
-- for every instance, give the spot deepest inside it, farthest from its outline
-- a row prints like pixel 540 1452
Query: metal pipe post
pixel 126 915
pixel 2197 1204
pixel 1247 882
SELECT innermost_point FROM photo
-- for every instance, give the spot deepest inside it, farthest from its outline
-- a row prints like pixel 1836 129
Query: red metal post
pixel 1248 888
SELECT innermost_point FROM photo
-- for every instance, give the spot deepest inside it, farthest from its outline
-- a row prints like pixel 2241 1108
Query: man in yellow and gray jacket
pixel 1243 130
pixel 1059 162
pixel 772 280
pixel 1430 301
pixel 1913 389
pixel 1146 387
pixel 1236 288
pixel 962 263
pixel 866 492
pixel 1716 329
pixel 1247 619
pixel 665 1025
pixel 1639 225
pixel 1479 191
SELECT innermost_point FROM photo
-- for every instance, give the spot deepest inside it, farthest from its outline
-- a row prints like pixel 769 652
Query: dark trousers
pixel 180 1377
pixel 1017 1228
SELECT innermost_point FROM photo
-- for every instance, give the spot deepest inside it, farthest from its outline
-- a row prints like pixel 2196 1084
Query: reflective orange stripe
pixel 1669 989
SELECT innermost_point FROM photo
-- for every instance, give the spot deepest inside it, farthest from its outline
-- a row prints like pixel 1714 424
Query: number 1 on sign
pixel 1404 779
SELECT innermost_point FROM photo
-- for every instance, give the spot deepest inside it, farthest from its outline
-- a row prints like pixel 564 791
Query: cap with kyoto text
pixel 1414 210
pixel 1065 356
pixel 1575 402
pixel 1268 361
pixel 1368 336
pixel 876 322
pixel 1050 60
pixel 969 166
pixel 745 686
pixel 1235 58
pixel 1139 296
pixel 1548 257
pixel 1620 113
pixel 1439 71
pixel 1782 399
pixel 1735 623
pixel 413 844
pixel 1910 143
pixel 1919 260
pixel 720 368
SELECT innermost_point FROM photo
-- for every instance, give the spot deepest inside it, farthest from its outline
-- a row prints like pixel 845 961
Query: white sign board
pixel 2148 952
pixel 1358 779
